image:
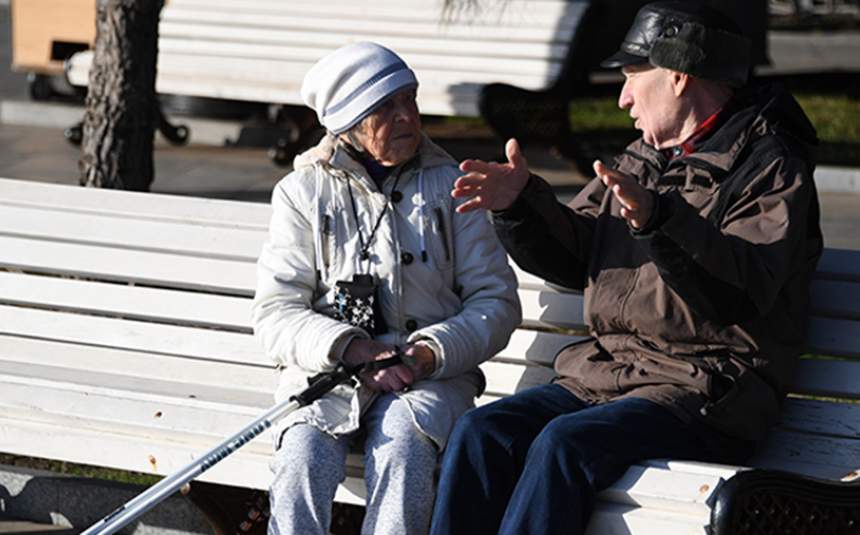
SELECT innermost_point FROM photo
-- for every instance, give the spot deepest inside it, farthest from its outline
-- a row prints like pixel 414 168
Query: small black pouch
pixel 357 303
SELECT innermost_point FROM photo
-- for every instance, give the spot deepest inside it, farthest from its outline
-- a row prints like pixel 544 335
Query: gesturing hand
pixel 491 185
pixel 637 203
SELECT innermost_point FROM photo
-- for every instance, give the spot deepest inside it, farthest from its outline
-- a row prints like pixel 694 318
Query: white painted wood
pixel 536 347
pixel 139 267
pixel 130 302
pixel 132 335
pixel 838 299
pixel 521 28
pixel 820 417
pixel 834 337
pixel 542 307
pixel 812 455
pixel 259 51
pixel 839 264
pixel 135 205
pixel 526 57
pixel 256 378
pixel 150 407
pixel 613 519
pixel 114 391
pixel 521 12
pixel 828 378
pixel 124 233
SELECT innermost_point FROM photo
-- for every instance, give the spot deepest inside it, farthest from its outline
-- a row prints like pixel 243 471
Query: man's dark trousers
pixel 533 462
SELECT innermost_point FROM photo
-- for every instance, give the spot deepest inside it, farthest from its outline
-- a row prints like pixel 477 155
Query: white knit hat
pixel 345 86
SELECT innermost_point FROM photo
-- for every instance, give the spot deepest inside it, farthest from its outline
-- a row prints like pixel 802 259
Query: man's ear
pixel 679 81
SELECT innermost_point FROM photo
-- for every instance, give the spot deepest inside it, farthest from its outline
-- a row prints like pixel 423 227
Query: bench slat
pixel 834 337
pixel 131 335
pixel 131 302
pixel 839 264
pixel 124 233
pixel 822 418
pixel 139 267
pixel 828 378
pixel 837 299
pixel 535 13
pixel 276 71
pixel 536 347
pixel 339 30
pixel 135 205
pixel 812 455
pixel 551 308
pixel 257 378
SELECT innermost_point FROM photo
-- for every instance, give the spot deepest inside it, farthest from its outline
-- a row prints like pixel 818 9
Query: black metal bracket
pixel 176 135
pixel 773 502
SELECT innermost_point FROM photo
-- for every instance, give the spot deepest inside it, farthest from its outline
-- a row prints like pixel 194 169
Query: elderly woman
pixel 367 258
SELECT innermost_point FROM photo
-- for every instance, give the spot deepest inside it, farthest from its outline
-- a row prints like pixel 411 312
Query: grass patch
pixel 835 117
pixel 78 470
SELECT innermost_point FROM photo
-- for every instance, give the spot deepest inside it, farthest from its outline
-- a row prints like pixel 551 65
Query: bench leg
pixel 231 510
pixel 176 135
pixel 770 502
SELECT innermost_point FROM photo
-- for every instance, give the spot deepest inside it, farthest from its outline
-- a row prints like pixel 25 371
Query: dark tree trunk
pixel 120 118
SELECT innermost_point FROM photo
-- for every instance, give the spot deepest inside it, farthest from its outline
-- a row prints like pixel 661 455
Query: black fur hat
pixel 687 37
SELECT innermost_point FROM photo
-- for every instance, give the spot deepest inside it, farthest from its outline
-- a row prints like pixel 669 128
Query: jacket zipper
pixel 327 235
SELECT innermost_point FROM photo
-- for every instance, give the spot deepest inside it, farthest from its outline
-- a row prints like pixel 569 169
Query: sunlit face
pixel 656 110
pixel 391 134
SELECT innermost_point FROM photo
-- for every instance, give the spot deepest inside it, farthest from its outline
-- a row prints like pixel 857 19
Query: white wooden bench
pixel 125 342
pixel 259 50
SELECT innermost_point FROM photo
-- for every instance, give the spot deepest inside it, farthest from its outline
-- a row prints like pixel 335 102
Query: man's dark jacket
pixel 705 311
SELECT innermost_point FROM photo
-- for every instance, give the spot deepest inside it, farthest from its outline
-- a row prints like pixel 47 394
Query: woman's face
pixel 391 134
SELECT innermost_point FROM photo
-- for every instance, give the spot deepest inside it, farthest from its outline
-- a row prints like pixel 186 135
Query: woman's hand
pixel 420 359
pixel 391 379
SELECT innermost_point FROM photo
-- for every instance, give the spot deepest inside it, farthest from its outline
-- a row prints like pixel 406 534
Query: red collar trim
pixel 688 146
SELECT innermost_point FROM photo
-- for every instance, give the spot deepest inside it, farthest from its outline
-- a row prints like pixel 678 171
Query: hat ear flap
pixel 705 53
pixel 677 55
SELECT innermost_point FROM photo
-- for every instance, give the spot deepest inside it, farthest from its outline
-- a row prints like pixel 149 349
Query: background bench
pixel 125 341
pixel 259 50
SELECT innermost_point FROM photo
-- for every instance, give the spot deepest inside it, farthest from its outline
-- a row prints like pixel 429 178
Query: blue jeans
pixel 533 462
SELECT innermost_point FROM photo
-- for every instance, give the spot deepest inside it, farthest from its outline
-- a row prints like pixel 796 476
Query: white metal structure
pixel 125 342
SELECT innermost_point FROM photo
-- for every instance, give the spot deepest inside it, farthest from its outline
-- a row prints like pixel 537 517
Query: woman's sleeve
pixel 291 331
pixel 488 291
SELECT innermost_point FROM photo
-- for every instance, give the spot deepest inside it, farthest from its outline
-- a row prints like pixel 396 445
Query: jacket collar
pixel 751 114
pixel 330 152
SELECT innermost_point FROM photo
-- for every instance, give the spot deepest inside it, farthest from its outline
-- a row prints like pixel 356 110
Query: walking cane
pixel 319 385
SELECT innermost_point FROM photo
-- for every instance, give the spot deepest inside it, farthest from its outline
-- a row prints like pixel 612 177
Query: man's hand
pixel 392 379
pixel 637 203
pixel 491 185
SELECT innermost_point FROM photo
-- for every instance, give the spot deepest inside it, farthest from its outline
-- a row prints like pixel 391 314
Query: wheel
pixel 74 134
pixel 40 86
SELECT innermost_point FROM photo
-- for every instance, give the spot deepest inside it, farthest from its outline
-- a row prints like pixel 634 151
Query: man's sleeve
pixel 548 238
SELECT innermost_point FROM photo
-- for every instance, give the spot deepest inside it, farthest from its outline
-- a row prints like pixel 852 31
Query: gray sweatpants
pixel 399 466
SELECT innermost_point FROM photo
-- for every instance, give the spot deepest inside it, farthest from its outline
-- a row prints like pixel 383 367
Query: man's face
pixel 391 134
pixel 649 94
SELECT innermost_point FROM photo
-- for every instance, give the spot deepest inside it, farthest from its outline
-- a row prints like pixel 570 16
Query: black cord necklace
pixel 364 253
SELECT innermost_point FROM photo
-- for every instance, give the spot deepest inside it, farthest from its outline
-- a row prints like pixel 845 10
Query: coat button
pixel 411 325
pixel 396 196
pixel 406 257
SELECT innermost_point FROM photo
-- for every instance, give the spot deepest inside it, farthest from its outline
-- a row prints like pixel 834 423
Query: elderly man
pixel 694 250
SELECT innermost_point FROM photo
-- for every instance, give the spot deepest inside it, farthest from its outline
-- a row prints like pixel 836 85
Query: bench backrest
pixel 259 50
pixel 128 315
